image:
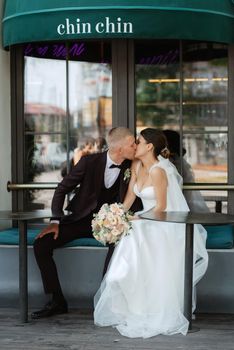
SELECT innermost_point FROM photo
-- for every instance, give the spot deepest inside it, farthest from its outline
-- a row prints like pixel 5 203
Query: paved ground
pixel 76 331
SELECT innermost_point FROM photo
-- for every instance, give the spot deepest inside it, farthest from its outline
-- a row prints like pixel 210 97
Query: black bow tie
pixel 116 166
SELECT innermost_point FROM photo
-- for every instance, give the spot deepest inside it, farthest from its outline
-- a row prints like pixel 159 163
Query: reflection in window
pixel 45 95
pixel 205 110
pixel 216 200
pixel 68 101
pixel 205 86
pixel 157 94
pixel 90 96
pixel 207 154
pixel 192 101
pixel 38 199
pixel 45 121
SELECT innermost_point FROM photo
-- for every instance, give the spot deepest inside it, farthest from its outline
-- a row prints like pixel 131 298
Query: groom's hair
pixel 116 136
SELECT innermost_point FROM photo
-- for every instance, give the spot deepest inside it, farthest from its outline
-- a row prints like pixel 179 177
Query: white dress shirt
pixel 110 174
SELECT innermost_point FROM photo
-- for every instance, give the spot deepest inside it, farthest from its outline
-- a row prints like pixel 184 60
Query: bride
pixel 143 290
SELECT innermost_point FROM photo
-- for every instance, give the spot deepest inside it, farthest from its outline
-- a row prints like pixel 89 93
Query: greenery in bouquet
pixel 111 223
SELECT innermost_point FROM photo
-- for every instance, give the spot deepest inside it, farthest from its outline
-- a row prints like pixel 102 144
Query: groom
pixel 101 178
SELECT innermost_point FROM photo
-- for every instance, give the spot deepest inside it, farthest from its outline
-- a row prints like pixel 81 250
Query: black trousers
pixel 44 248
pixel 111 248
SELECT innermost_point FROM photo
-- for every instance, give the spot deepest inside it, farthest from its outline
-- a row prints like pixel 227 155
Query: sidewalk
pixel 76 331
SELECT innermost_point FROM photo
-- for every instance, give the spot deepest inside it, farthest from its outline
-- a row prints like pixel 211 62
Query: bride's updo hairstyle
pixel 158 140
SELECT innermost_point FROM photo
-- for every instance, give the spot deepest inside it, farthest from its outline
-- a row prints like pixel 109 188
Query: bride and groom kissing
pixel 142 290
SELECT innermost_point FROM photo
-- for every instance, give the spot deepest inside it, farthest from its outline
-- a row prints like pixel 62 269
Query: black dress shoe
pixel 50 309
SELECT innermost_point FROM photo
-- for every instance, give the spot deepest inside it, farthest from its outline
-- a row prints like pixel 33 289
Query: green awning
pixel 42 20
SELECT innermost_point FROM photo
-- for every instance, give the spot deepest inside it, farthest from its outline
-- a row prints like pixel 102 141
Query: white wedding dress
pixel 142 293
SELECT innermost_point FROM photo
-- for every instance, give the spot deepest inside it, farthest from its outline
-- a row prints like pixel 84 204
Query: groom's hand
pixel 52 228
pixel 133 217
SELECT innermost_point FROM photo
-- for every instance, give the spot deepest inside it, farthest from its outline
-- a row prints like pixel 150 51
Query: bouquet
pixel 111 223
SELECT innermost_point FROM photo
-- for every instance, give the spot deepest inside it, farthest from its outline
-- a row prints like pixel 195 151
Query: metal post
pixel 188 274
pixel 23 271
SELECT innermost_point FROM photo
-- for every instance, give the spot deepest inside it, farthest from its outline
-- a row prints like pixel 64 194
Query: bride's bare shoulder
pixel 158 173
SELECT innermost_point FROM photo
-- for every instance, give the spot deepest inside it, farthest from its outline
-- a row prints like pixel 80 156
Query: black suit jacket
pixel 88 174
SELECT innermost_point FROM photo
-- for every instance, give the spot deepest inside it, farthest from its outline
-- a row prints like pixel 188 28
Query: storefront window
pixel 68 103
pixel 90 96
pixel 204 110
pixel 182 88
pixel 157 84
pixel 207 154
